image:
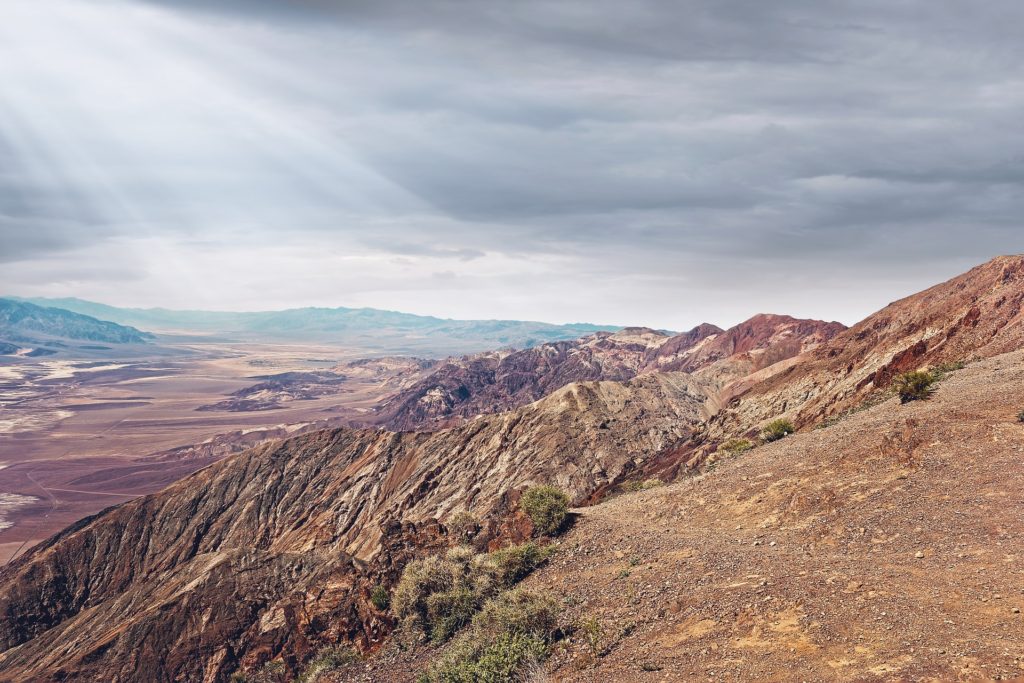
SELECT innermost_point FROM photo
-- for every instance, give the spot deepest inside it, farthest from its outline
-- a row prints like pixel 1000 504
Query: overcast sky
pixel 659 163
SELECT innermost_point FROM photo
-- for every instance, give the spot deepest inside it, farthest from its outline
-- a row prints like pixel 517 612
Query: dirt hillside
pixel 888 547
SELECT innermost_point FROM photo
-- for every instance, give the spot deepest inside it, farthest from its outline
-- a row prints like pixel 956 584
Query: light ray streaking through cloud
pixel 651 163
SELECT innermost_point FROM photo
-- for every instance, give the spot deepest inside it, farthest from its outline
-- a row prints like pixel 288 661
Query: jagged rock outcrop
pixel 494 382
pixel 464 387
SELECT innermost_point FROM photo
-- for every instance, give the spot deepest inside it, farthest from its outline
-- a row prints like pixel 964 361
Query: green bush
pixel 448 611
pixel 511 633
pixel 515 563
pixel 439 595
pixel 547 507
pixel 777 429
pixel 915 385
pixel 735 446
pixel 326 660
pixel 380 598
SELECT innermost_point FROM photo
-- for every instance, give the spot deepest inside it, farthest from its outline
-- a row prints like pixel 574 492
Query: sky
pixel 650 163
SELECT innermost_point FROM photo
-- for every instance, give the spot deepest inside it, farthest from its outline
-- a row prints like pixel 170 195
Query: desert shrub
pixel 592 631
pixel 547 507
pixel 380 597
pixel 519 611
pixel 414 600
pixel 915 385
pixel 777 429
pixel 326 660
pixel 463 527
pixel 439 595
pixel 511 633
pixel 448 611
pixel 735 446
pixel 1020 416
pixel 515 563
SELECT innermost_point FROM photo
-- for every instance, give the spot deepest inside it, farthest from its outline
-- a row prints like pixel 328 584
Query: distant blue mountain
pixel 22 321
pixel 363 328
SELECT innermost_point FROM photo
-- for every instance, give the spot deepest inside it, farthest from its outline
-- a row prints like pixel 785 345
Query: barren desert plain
pixel 80 434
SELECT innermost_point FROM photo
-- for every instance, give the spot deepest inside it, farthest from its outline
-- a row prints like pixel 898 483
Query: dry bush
pixel 438 595
pixel 507 640
pixel 916 385
pixel 777 429
pixel 548 507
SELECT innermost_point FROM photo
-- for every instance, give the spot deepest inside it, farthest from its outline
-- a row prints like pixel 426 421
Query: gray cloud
pixel 649 162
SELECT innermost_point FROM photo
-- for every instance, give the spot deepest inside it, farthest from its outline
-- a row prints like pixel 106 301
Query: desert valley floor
pixel 78 435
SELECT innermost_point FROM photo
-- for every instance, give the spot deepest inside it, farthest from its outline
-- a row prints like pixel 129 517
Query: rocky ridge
pixel 463 388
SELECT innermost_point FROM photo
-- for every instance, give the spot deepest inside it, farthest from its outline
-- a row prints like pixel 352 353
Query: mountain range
pixel 370 329
pixel 274 553
pixel 40 326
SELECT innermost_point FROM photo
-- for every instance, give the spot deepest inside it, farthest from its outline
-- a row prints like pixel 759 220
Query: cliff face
pixel 275 549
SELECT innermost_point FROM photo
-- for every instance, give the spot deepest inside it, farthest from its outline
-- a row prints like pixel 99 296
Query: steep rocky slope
pixel 975 315
pixel 274 549
pixel 887 547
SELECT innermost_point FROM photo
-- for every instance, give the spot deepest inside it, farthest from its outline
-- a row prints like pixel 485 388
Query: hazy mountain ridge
pixel 377 330
pixel 29 323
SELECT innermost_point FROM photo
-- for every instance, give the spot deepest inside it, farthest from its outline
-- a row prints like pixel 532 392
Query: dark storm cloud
pixel 648 144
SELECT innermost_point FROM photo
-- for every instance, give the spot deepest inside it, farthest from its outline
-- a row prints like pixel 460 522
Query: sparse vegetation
pixel 735 446
pixel 326 660
pixel 940 371
pixel 592 631
pixel 1020 416
pixel 915 385
pixel 511 633
pixel 548 507
pixel 641 484
pixel 380 597
pixel 777 429
pixel 516 562
pixel 439 595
